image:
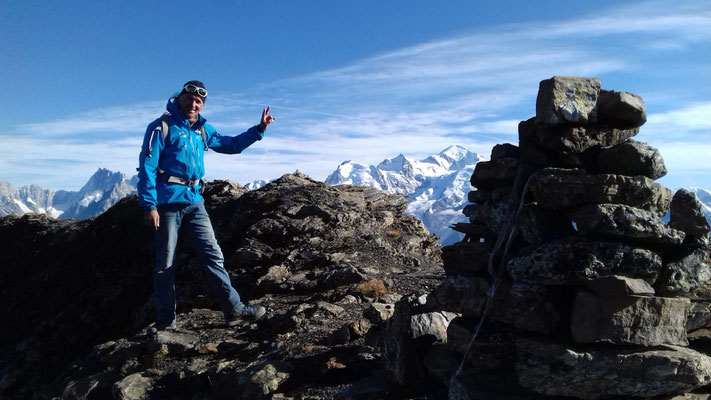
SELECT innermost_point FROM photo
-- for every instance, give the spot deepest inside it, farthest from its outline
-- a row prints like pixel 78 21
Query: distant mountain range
pixel 436 189
pixel 104 189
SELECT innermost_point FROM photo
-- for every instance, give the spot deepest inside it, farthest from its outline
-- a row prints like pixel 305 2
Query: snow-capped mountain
pixel 104 189
pixel 436 187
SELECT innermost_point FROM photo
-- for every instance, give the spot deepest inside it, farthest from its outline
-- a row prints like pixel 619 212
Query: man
pixel 170 172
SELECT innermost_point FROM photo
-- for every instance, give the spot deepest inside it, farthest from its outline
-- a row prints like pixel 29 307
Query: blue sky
pixel 359 81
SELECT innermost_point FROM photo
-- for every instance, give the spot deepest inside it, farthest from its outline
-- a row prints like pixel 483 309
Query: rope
pixel 510 227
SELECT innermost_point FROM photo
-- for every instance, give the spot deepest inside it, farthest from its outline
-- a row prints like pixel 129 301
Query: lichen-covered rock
pixel 624 320
pixel 563 188
pixel 632 158
pixel 621 109
pixel 567 100
pixel 686 214
pixel 621 222
pixel 570 259
pixel 597 373
pixel 688 275
pixel 577 139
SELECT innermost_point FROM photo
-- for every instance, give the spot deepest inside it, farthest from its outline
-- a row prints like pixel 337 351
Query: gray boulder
pixel 570 260
pixel 636 320
pixel 686 214
pixel 617 221
pixel 567 100
pixel 596 373
pixel 555 188
pixel 632 158
pixel 621 109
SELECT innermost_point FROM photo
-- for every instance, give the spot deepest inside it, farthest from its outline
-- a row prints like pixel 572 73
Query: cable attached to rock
pixel 507 234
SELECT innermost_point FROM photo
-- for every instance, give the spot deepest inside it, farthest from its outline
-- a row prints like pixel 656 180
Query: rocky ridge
pixel 568 284
pixel 327 262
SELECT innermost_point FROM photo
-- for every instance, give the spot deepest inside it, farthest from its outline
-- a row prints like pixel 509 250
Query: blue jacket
pixel 182 156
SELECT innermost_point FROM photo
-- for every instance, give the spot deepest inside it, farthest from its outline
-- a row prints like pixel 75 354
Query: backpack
pixel 164 127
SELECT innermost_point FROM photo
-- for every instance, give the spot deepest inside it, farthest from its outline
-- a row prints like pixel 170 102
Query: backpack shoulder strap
pixel 204 136
pixel 164 126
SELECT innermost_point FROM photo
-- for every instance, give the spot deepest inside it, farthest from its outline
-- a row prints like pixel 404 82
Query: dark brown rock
pixel 621 222
pixel 686 214
pixel 567 100
pixel 504 151
pixel 499 172
pixel 466 258
pixel 618 286
pixel 632 158
pixel 621 109
pixel 636 320
pixel 525 307
pixel 577 139
pixel 537 224
pixel 569 260
pixel 562 188
pixel 480 196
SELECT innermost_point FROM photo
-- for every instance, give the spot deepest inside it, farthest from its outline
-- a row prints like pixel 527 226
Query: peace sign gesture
pixel 266 120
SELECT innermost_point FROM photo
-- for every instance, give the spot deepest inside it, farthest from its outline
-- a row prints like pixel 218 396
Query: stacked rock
pixel 587 293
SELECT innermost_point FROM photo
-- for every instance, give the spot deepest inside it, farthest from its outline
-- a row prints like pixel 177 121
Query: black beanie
pixel 196 83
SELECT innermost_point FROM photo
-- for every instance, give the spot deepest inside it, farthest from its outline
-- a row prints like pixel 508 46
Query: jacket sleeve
pixel 232 144
pixel 148 166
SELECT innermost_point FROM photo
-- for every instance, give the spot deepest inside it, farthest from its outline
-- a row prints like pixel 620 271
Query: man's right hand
pixel 152 219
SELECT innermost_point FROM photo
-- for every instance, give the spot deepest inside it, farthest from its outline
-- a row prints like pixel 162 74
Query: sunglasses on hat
pixel 202 92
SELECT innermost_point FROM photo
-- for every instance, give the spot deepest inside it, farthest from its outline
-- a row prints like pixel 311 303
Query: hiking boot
pixel 248 312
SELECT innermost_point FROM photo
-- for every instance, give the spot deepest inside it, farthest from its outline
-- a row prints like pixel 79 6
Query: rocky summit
pixel 568 284
pixel 328 263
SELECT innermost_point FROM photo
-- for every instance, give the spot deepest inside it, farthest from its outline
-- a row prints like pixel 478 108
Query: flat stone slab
pixel 577 139
pixel 570 260
pixel 567 100
pixel 618 221
pixel 556 188
pixel 632 158
pixel 617 286
pixel 635 320
pixel 499 172
pixel 596 373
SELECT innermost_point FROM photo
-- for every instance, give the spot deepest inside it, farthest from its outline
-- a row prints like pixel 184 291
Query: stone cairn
pixel 568 283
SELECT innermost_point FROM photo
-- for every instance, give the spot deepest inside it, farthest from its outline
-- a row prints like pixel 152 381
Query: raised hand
pixel 266 119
